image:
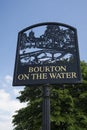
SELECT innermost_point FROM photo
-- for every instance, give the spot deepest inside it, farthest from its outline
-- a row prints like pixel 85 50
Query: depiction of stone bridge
pixel 45 56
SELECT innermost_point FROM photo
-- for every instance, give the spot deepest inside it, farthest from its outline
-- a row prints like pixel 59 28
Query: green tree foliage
pixel 68 106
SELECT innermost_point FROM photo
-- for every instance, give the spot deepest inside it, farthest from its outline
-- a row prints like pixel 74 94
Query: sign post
pixel 47 53
pixel 46 108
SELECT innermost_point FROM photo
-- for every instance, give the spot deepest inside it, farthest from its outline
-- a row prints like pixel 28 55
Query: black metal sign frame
pixel 47 53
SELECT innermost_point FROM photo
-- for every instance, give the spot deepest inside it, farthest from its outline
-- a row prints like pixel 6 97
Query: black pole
pixel 46 108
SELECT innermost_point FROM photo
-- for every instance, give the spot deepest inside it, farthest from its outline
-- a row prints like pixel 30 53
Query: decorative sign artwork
pixel 47 53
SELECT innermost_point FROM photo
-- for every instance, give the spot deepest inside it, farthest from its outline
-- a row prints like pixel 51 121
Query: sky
pixel 19 14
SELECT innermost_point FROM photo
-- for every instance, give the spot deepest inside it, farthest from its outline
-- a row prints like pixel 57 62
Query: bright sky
pixel 16 15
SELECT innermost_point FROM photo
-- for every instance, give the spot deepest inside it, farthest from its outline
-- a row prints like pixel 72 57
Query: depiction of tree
pixel 57 41
pixel 31 36
pixel 53 36
pixel 23 40
pixel 69 39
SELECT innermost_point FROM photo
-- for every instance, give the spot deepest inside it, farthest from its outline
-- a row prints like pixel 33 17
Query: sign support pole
pixel 46 108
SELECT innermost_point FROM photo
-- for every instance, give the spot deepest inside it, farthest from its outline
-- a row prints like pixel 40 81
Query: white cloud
pixel 7 108
pixel 8 78
pixel 6 81
pixel 16 91
pixel 6 125
pixel 8 105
